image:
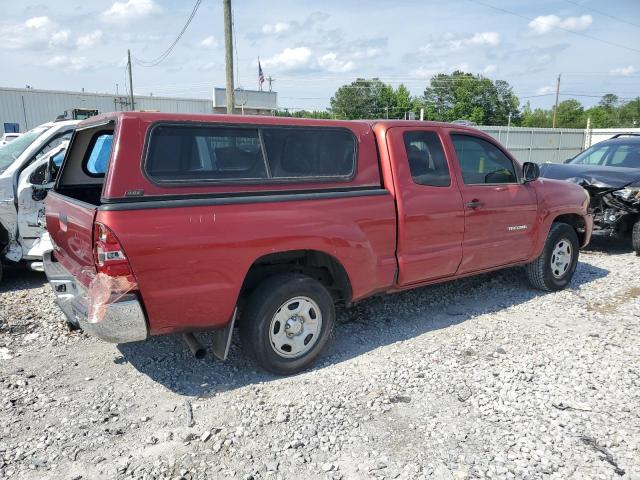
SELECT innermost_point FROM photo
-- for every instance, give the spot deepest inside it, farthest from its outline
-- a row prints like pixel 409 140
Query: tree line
pixel 466 96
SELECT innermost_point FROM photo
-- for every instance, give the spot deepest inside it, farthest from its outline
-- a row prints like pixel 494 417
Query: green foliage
pixel 609 113
pixel 472 97
pixel 303 114
pixel 570 115
pixel 536 118
pixel 371 98
pixel 466 96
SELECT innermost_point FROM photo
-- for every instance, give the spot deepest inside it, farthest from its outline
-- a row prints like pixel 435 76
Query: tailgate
pixel 70 225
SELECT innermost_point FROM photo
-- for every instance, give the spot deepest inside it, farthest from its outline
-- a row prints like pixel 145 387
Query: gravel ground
pixel 478 378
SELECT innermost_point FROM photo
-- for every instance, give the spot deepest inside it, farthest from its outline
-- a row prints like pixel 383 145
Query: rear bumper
pixel 123 321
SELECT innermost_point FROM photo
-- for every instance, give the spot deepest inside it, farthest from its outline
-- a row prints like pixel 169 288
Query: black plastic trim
pixel 179 201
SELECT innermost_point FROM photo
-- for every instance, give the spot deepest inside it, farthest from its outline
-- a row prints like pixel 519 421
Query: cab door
pixel 430 212
pixel 500 211
pixel 33 184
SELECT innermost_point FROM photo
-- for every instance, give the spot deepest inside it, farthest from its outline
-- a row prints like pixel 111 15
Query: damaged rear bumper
pixel 122 321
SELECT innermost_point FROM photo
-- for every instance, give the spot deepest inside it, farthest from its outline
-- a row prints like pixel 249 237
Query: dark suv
pixel 610 172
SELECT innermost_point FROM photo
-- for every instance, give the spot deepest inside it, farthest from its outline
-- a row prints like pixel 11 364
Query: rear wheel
pixel 554 268
pixel 287 323
pixel 635 237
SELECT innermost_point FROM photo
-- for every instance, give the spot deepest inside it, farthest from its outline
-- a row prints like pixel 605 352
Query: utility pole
pixel 555 109
pixel 228 54
pixel 270 79
pixel 133 105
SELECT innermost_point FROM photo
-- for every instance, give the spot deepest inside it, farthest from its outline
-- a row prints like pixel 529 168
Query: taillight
pixel 108 254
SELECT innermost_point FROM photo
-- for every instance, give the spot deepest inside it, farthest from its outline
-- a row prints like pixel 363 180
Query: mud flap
pixel 222 338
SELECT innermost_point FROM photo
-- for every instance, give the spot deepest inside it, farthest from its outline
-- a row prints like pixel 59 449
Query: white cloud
pixel 130 10
pixel 546 23
pixel 209 42
pixel 89 40
pixel 451 43
pixel 546 90
pixel 484 38
pixel 623 71
pixel 36 33
pixel 489 69
pixel 439 67
pixel 290 58
pixel 38 23
pixel 279 27
pixel 331 63
pixel 370 52
pixel 59 39
pixel 64 62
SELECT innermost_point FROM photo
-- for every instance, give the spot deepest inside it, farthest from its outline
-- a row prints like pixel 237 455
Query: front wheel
pixel 635 237
pixel 287 323
pixel 554 268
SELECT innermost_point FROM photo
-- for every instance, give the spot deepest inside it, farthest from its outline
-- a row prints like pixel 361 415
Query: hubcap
pixel 561 258
pixel 295 327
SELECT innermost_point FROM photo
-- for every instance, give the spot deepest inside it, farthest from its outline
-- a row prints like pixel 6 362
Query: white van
pixel 25 176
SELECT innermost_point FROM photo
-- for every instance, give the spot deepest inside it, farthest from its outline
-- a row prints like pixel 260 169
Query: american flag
pixel 260 75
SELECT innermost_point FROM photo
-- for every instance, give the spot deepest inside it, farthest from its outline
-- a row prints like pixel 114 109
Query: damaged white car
pixel 27 171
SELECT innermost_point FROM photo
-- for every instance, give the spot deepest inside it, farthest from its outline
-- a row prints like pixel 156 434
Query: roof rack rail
pixel 618 135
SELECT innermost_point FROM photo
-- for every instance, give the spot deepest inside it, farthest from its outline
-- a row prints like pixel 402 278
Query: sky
pixel 310 48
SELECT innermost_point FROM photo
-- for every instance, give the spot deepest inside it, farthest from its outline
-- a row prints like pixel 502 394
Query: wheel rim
pixel 561 258
pixel 295 327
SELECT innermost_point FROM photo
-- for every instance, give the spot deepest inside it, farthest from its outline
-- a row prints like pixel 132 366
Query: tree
pixel 571 114
pixel 472 97
pixel 371 98
pixel 536 118
pixel 303 114
pixel 609 101
pixel 358 100
pixel 630 113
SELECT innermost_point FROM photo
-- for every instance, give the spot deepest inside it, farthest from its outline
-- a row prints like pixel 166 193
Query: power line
pixel 504 10
pixel 603 13
pixel 167 52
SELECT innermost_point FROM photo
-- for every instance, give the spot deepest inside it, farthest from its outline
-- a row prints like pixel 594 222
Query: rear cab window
pixel 427 161
pixel 210 153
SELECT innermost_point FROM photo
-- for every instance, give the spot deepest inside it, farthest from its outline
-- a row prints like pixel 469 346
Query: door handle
pixel 475 203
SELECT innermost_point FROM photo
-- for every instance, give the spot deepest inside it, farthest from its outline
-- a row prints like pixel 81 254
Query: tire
pixel 1 271
pixel 541 274
pixel 635 237
pixel 276 331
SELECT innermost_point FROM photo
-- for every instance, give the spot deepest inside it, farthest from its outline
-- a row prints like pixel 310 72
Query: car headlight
pixel 628 193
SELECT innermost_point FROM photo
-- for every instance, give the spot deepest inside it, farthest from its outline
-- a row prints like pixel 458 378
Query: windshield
pixel 619 154
pixel 12 150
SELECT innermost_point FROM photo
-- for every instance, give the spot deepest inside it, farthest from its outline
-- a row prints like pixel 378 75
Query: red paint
pixel 190 262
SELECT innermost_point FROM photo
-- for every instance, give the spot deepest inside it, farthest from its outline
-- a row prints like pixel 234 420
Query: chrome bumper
pixel 123 321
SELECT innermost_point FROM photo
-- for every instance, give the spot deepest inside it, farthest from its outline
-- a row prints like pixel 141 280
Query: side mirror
pixel 530 172
pixel 567 160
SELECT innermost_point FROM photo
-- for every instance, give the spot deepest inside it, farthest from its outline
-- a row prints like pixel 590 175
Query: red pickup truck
pixel 165 223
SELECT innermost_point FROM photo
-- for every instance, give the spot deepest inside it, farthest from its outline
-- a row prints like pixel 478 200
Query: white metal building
pixel 30 107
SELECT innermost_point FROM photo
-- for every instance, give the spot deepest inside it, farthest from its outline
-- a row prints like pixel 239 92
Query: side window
pixel 58 158
pixel 624 156
pixel 482 162
pixel 202 153
pixel 53 143
pixel 427 160
pixel 98 154
pixel 305 152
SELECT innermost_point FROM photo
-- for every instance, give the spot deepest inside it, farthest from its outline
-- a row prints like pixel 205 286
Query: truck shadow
pixel 19 278
pixel 369 325
pixel 603 243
